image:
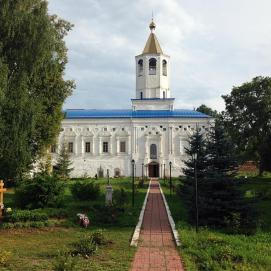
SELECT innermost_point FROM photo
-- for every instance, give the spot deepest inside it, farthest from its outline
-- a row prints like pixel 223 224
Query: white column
pixel 100 145
pixel 117 145
pixel 146 147
pixel 160 146
pixel 128 144
pixel 110 147
pixel 171 140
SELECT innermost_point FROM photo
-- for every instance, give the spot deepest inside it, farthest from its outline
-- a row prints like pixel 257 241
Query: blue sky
pixel 213 45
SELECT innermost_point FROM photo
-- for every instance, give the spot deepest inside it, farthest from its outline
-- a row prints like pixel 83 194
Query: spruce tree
pixel 220 197
pixel 62 168
pixel 196 152
pixel 33 57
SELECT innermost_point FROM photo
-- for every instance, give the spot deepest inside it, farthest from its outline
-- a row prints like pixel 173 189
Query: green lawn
pixel 212 250
pixel 35 249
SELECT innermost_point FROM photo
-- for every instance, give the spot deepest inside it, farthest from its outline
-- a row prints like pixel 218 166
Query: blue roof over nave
pixel 129 113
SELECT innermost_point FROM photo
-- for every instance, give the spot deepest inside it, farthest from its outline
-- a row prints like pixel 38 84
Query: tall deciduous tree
pixel 33 57
pixel 248 118
pixel 208 111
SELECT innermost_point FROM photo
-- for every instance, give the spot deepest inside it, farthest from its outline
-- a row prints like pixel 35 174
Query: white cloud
pixel 213 45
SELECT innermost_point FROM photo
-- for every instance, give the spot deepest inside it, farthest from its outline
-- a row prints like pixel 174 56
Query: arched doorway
pixel 153 170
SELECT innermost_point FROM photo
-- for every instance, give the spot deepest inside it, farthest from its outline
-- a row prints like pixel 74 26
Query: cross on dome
pixel 152 46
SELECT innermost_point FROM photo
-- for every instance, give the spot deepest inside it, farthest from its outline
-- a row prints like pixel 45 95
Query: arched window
pixel 164 95
pixel 141 95
pixel 100 172
pixel 164 67
pixel 116 172
pixel 152 66
pixel 140 67
pixel 153 151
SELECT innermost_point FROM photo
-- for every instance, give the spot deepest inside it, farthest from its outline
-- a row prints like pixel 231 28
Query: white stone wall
pixel 170 136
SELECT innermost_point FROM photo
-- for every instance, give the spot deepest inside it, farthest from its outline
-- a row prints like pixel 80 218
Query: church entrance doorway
pixel 153 170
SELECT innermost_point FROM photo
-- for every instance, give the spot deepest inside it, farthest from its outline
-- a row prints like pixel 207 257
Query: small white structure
pixel 153 132
pixel 109 195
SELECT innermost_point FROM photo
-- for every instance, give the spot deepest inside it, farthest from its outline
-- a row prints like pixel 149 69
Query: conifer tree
pixel 62 168
pixel 220 197
pixel 196 152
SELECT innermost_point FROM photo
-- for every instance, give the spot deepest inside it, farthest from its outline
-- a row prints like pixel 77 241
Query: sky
pixel 213 44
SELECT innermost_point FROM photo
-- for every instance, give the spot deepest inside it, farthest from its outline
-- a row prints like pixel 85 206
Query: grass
pixel 214 250
pixel 35 249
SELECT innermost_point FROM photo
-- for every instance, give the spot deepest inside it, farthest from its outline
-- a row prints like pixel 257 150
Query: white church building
pixel 152 133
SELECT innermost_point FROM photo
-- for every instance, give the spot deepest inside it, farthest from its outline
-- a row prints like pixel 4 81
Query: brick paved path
pixel 157 250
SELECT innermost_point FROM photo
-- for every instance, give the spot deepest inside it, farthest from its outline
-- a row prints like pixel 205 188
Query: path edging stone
pixel 171 221
pixel 137 230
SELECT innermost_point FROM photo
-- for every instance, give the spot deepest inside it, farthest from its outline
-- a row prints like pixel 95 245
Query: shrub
pixel 85 247
pixel 141 183
pixel 41 191
pixel 120 197
pixel 28 224
pixel 26 215
pixel 4 257
pixel 64 262
pixel 105 214
pixel 99 238
pixel 7 226
pixel 55 212
pixel 85 191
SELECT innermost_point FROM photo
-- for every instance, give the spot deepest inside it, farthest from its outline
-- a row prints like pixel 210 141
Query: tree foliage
pixel 62 168
pixel 208 111
pixel 221 202
pixel 41 191
pixel 33 57
pixel 196 147
pixel 248 118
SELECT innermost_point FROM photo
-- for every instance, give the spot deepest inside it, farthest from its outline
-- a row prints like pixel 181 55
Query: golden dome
pixel 152 26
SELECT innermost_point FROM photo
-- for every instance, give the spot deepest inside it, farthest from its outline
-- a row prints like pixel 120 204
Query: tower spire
pixel 152 46
pixel 152 25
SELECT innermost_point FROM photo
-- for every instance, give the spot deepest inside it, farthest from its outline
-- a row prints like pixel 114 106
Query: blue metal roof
pixel 153 99
pixel 128 113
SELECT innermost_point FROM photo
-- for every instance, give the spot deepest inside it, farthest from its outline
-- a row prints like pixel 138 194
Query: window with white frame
pixel 70 147
pixel 87 147
pixel 122 146
pixel 105 147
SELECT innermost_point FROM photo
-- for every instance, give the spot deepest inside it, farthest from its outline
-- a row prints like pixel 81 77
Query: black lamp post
pixel 170 180
pixel 107 174
pixel 164 172
pixel 142 167
pixel 196 190
pixel 133 182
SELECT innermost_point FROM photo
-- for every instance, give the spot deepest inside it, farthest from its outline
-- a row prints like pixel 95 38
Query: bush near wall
pixel 41 191
pixel 85 191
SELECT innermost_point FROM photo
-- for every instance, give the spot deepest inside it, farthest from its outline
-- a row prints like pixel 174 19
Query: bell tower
pixel 152 75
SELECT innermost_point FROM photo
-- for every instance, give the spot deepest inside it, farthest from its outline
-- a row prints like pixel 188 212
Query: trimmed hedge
pixel 25 216
pixel 28 224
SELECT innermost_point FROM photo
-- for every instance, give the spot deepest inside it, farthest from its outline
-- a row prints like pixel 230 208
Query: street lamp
pixel 170 181
pixel 195 157
pixel 133 182
pixel 107 174
pixel 142 167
